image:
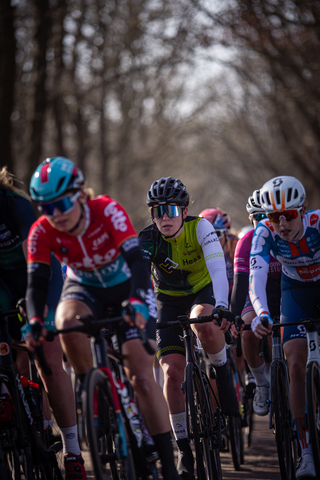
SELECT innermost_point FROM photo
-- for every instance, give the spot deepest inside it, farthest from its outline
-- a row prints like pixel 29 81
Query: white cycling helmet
pixel 254 205
pixel 245 230
pixel 282 193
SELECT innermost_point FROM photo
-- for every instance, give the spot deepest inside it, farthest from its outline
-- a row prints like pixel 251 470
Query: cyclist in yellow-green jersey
pixel 189 275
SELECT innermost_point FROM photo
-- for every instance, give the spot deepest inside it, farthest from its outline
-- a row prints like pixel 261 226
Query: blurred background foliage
pixel 222 94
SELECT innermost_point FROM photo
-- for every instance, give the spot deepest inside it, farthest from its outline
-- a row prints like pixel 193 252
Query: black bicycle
pixel 115 438
pixel 203 424
pixel 280 418
pixel 235 422
pixel 26 452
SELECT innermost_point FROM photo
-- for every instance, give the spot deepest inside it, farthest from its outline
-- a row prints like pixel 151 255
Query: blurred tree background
pixel 223 95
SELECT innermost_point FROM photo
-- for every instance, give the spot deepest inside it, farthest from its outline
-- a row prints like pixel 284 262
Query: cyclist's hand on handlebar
pixel 234 332
pixel 135 312
pixel 226 318
pixel 257 326
pixel 34 332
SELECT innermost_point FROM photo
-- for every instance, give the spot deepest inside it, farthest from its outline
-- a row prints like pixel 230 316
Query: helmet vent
pixel 267 198
pixel 289 194
pixel 278 199
pixel 60 183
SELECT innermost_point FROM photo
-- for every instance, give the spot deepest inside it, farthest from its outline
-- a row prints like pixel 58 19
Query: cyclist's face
pixel 168 226
pixel 290 231
pixel 66 221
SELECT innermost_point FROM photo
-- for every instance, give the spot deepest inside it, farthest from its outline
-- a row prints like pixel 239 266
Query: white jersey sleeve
pixel 215 262
pixel 259 268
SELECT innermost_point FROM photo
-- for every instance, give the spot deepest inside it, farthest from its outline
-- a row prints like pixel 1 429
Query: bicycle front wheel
pixel 200 421
pixel 106 431
pixel 283 422
pixel 236 441
pixel 313 413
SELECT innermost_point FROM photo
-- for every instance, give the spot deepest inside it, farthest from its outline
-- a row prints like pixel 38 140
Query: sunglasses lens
pixel 46 209
pixel 171 210
pixel 259 216
pixel 289 215
pixel 64 205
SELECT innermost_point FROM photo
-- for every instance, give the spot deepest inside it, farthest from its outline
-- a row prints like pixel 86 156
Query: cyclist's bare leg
pixel 139 369
pixel 210 336
pixel 58 386
pixel 250 343
pixel 173 366
pixel 296 352
pixel 76 346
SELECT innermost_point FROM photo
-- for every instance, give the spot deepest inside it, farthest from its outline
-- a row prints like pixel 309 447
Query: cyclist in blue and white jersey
pixel 292 236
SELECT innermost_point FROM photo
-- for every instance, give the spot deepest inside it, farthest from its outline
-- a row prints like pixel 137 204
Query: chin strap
pixel 78 222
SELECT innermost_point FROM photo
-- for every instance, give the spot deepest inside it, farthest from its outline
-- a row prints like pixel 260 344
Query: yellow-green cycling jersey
pixel 184 265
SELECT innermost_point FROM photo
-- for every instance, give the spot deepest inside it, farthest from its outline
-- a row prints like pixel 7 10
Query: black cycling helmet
pixel 168 190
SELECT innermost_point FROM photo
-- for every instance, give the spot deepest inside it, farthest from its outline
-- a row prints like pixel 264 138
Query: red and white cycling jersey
pixel 94 257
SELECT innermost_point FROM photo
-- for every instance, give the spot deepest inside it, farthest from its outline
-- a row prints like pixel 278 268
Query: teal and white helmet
pixel 53 178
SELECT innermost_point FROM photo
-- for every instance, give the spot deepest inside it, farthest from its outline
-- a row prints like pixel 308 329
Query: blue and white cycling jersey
pixel 300 260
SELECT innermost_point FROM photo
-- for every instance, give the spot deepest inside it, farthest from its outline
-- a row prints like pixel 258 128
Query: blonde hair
pixel 7 180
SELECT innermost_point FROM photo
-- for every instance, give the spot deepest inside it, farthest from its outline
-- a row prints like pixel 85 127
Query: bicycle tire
pixel 248 419
pixel 200 422
pixel 103 429
pixel 313 411
pixel 18 460
pixel 283 423
pixel 234 426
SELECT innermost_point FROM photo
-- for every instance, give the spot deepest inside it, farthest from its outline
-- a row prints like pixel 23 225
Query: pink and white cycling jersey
pixel 242 258
pixel 93 258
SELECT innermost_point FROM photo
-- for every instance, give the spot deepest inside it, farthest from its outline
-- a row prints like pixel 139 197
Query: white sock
pixel 260 376
pixel 179 425
pixel 70 442
pixel 218 359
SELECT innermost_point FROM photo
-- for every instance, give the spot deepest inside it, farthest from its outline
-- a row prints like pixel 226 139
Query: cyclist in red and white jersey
pixel 241 304
pixel 292 236
pixel 96 240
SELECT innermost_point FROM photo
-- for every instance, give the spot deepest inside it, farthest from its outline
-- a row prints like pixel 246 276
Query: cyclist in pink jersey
pixel 96 240
pixel 241 304
pixel 228 241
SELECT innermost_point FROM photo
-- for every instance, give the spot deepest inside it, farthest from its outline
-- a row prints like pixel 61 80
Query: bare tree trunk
pixel 40 95
pixel 7 80
pixel 58 104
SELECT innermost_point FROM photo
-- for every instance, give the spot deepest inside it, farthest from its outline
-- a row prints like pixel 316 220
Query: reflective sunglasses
pixel 171 210
pixel 258 216
pixel 64 205
pixel 289 215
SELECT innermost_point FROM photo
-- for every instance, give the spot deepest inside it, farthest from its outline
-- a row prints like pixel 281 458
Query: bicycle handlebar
pixel 185 320
pixel 92 327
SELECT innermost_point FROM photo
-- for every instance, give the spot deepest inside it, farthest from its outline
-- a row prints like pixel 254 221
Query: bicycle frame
pixel 8 372
pixel 277 356
pixel 100 361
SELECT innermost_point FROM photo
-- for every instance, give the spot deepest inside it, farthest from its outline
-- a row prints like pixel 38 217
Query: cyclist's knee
pixel 174 371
